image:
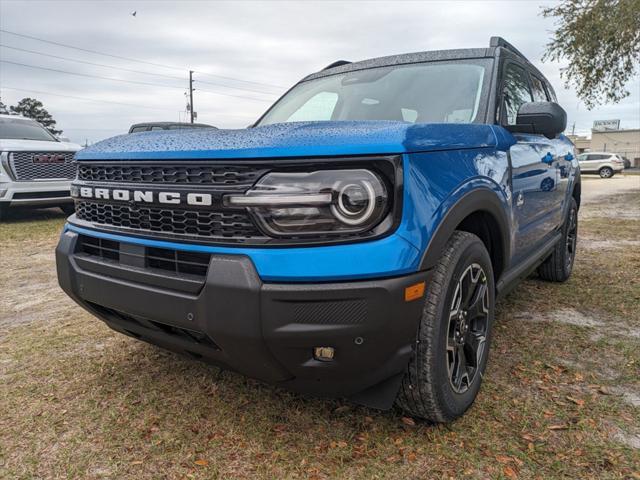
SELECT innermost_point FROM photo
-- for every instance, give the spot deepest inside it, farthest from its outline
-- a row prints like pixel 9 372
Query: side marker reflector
pixel 414 292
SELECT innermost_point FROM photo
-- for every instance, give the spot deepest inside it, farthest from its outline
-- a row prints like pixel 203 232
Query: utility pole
pixel 191 94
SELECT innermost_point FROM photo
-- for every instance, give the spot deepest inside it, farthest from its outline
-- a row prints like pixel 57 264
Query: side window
pixel 515 91
pixel 138 129
pixel 156 128
pixel 537 88
pixel 319 107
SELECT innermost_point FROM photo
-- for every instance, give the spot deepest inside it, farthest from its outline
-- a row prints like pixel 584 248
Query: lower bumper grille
pixel 36 195
pixel 173 261
pixel 27 166
pixel 199 223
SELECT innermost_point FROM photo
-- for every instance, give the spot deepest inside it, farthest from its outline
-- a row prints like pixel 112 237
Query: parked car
pixel 153 126
pixel 605 164
pixel 352 243
pixel 36 168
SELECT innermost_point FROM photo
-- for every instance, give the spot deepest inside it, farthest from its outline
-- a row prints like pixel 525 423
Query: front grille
pixel 24 168
pixel 236 176
pixel 199 223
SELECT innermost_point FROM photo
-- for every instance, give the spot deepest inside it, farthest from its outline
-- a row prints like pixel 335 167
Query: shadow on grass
pixel 15 215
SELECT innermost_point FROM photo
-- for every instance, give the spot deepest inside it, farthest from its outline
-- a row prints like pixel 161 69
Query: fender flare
pixel 482 199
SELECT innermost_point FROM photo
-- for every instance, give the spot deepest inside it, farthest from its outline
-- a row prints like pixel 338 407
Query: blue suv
pixel 352 242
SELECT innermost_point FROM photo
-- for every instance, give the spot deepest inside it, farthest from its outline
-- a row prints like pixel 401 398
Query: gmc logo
pixel 48 158
pixel 143 196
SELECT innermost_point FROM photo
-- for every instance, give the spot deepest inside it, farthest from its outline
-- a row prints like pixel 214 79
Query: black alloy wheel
pixel 467 330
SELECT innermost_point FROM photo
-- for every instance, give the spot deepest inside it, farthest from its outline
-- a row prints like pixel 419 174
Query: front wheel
pixel 452 346
pixel 606 172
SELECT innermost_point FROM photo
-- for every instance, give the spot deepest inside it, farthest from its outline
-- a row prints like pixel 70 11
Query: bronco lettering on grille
pixel 144 196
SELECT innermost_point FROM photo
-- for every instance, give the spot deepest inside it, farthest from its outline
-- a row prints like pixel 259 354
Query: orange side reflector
pixel 414 292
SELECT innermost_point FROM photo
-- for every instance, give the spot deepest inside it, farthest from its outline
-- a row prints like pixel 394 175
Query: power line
pixel 133 59
pixel 238 88
pixel 90 76
pixel 127 69
pixel 90 51
pixel 130 81
pixel 238 79
pixel 224 114
pixel 84 98
pixel 235 96
pixel 89 63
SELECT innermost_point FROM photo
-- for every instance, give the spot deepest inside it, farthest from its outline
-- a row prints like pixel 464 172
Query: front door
pixel 537 171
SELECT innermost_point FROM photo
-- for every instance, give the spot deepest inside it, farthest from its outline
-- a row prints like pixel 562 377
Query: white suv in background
pixel 35 167
pixel 606 164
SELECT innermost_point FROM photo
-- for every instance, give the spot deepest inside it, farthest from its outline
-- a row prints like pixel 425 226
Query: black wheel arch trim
pixel 478 200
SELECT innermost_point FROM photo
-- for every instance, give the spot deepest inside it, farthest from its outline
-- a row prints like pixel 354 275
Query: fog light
pixel 2 192
pixel 324 354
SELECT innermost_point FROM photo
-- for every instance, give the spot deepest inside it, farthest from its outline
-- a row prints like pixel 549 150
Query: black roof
pixel 167 124
pixel 418 57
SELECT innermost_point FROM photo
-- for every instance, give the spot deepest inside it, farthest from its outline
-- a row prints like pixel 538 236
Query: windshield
pixel 437 92
pixel 23 129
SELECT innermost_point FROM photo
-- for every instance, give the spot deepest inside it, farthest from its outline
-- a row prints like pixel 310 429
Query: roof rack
pixel 337 63
pixel 501 42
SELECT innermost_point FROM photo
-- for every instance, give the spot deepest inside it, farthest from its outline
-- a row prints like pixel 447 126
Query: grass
pixel 80 401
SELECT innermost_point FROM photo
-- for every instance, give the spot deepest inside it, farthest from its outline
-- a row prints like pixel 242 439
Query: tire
pixel 606 172
pixel 68 208
pixel 559 265
pixel 430 388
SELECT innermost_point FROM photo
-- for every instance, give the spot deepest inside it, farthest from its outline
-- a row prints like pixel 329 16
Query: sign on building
pixel 600 125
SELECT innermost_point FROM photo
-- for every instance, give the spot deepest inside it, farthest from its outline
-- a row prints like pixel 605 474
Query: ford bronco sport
pixel 351 243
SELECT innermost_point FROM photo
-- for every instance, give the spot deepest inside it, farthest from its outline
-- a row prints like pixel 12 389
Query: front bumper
pixel 267 331
pixel 35 193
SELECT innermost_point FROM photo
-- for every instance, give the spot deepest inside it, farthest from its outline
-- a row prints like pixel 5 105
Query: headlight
pixel 322 202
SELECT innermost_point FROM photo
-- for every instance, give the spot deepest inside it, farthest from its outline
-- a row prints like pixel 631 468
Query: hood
pixel 14 145
pixel 302 139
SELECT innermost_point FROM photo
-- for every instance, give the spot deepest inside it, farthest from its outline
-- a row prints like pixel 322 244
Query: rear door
pixel 535 177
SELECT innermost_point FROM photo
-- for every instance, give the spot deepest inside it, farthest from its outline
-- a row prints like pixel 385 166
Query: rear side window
pixel 138 129
pixel 537 88
pixel 515 91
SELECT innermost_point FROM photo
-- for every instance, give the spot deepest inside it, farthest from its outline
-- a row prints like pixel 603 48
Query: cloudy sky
pixel 244 53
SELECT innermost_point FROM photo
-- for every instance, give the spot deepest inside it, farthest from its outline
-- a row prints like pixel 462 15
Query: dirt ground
pixel 561 397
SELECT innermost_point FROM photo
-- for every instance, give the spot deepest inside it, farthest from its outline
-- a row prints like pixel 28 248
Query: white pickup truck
pixel 36 168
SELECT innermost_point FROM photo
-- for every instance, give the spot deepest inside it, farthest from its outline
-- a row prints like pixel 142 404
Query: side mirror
pixel 544 118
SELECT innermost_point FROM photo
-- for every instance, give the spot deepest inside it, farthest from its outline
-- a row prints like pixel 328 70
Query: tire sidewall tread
pixel 425 390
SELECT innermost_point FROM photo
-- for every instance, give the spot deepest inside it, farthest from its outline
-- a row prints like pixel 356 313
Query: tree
pixel 3 108
pixel 601 41
pixel 32 108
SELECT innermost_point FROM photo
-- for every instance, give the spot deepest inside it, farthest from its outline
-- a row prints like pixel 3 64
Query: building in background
pixel 622 142
pixel 582 143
